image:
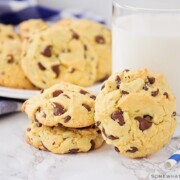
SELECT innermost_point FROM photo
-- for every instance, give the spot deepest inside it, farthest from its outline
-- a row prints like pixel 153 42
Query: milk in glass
pixel 149 41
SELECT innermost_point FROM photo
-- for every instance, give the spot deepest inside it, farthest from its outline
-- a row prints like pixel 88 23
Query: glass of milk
pixel 146 34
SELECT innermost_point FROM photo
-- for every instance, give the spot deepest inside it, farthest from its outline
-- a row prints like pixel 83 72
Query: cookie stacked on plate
pixel 62 120
pixel 77 52
pixel 11 73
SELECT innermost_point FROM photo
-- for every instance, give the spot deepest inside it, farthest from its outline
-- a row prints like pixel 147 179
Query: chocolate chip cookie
pixel 59 54
pixel 11 73
pixel 135 111
pixel 61 140
pixel 66 104
pixel 100 38
pixel 29 27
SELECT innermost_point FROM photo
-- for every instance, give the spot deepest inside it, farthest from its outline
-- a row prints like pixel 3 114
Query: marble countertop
pixel 20 161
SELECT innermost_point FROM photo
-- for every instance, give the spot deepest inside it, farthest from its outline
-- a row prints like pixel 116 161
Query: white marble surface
pixel 19 161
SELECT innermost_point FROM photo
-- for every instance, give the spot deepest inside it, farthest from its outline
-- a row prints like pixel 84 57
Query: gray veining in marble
pixel 19 161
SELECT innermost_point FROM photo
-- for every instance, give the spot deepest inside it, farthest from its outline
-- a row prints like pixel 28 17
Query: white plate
pixel 25 94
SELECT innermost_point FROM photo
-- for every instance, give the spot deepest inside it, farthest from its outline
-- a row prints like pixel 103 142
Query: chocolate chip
pixel 42 90
pixel 112 137
pixel 75 35
pixel 68 50
pixel 143 123
pixel 155 93
pixel 109 136
pixel 67 118
pixel 93 145
pixel 41 66
pixel 100 39
pixel 53 143
pixel 148 117
pixel 83 92
pixel 57 93
pixel 145 87
pixel 65 95
pixel 124 92
pixel 126 70
pixel 47 52
pixel 73 151
pixel 28 129
pixel 93 97
pixel 98 123
pixel 59 125
pixel 58 109
pixel 174 114
pixel 44 115
pixel 38 109
pixel 118 117
pixel 151 80
pixel 118 79
pixel 10 59
pixel 103 86
pixel 166 94
pixel 132 150
pixel 10 36
pixel 85 47
pixel 117 149
pixel 98 131
pixel 38 124
pixel 55 69
pixel 87 107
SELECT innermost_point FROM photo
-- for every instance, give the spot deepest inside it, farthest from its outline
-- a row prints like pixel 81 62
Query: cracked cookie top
pixel 135 111
pixel 64 103
pixel 100 38
pixel 58 54
pixel 61 140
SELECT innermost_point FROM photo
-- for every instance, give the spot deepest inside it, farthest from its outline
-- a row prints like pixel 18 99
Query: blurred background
pixel 101 8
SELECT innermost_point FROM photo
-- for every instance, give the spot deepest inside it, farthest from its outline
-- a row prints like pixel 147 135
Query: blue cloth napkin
pixel 14 11
pixel 8 106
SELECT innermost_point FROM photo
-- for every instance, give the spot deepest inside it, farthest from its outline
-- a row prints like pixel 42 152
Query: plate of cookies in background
pixel 36 55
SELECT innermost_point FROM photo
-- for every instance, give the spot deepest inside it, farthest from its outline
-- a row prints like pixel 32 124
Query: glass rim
pixel 133 8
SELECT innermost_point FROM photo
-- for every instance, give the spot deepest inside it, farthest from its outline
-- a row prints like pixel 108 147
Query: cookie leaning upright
pixel 61 140
pixel 100 38
pixel 135 111
pixel 11 73
pixel 59 54
pixel 65 104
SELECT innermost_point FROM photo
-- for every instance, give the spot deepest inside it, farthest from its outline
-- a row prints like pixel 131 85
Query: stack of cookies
pixel 42 55
pixel 135 112
pixel 62 120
